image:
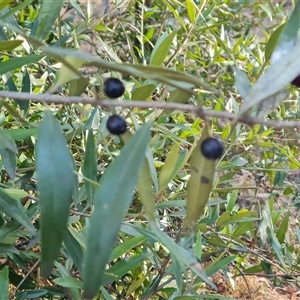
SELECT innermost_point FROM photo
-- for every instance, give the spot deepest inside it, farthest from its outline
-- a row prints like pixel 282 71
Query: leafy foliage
pixel 144 214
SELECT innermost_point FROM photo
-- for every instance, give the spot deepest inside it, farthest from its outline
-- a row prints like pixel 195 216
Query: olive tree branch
pixel 203 113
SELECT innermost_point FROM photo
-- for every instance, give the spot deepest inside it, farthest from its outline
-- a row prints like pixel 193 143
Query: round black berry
pixel 296 81
pixel 212 148
pixel 113 87
pixel 116 124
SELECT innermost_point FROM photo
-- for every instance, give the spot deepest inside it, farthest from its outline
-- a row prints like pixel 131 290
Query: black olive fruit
pixel 212 148
pixel 113 87
pixel 116 124
pixel 296 81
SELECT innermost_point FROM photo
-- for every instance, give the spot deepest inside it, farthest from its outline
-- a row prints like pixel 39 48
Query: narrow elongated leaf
pixel 10 45
pixel 284 68
pixel 200 183
pixel 280 234
pixel 4 283
pixel 144 186
pixel 11 227
pixel 178 96
pixel 20 134
pixel 171 77
pixel 56 181
pixel 177 271
pixel 173 164
pixel 68 282
pixel 66 74
pixel 75 292
pixel 8 150
pixel 26 88
pixel 289 35
pixel 168 166
pixel 143 92
pixel 6 141
pixel 47 16
pixel 4 3
pixel 273 41
pixel 74 249
pixel 78 86
pixel 111 203
pixel 162 48
pixel 13 208
pixel 14 63
pixel 124 266
pixel 126 246
pixel 183 255
pixel 89 168
pixel 191 10
pixel 219 265
pixel 242 82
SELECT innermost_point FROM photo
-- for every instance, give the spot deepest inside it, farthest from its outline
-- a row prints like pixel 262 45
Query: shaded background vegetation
pixel 249 229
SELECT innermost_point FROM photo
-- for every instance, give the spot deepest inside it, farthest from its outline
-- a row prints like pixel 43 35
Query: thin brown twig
pixel 24 278
pixel 203 113
pixel 247 284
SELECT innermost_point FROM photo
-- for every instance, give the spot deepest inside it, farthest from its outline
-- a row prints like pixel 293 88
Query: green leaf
pixel 200 183
pixel 74 292
pixel 175 13
pixel 15 193
pixel 14 63
pixel 126 246
pixel 173 164
pixel 14 209
pixel 4 283
pixel 47 15
pixel 26 88
pixel 170 77
pixel 69 282
pixel 177 271
pixel 4 3
pixel 178 96
pixel 242 82
pixel 219 264
pixel 89 169
pixel 224 218
pixel 143 92
pixel 198 245
pixel 8 151
pixel 32 294
pixel 69 71
pixel 9 228
pixel 74 249
pixel 122 267
pixel 277 247
pixel 282 230
pixel 167 170
pixel 56 181
pixel 111 203
pixel 289 35
pixel 271 44
pixel 191 10
pixel 162 48
pixel 78 86
pixel 144 186
pixel 183 255
pixel 7 142
pixel 20 134
pixel 284 67
pixel 242 228
pixel 10 45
